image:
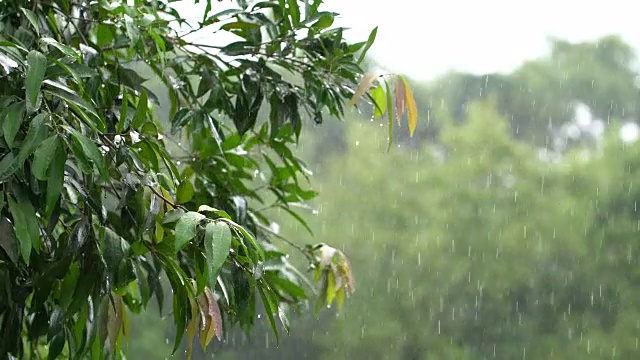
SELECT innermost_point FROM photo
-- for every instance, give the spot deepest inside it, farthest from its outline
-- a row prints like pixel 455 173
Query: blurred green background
pixel 508 227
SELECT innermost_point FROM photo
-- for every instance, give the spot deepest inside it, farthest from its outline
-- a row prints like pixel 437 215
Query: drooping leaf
pixel 389 116
pixel 399 97
pixel 380 101
pixel 90 151
pixel 186 229
pixel 269 309
pixel 35 135
pixel 8 166
pixel 33 19
pixel 37 63
pixel 412 109
pixel 217 242
pixel 11 121
pixel 141 111
pixel 43 156
pixel 55 179
pixel 25 226
pixel 185 192
pixel 363 86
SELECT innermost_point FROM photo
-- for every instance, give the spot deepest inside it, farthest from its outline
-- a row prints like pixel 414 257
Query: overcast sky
pixel 424 38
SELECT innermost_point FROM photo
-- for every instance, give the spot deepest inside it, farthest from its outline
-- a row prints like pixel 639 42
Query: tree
pixel 129 154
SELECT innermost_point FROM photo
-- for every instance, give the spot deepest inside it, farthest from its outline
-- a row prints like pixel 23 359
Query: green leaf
pixel 185 192
pixel 56 346
pixel 186 229
pixel 13 117
pixel 389 116
pixel 370 40
pixel 217 243
pixel 43 156
pixel 8 166
pixel 379 101
pixel 141 111
pixel 294 11
pixel 56 178
pixel 33 19
pixel 91 151
pixel 68 51
pixel 35 135
pixel 104 34
pixel 35 74
pixel 25 226
pixel 269 308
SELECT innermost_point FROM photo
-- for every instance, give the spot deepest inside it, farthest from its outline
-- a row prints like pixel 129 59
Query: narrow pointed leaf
pixel 412 109
pixel 399 97
pixel 389 116
pixel 43 156
pixel 55 179
pixel 367 46
pixel 35 74
pixel 11 121
pixel 363 86
pixel 36 134
pixel 379 101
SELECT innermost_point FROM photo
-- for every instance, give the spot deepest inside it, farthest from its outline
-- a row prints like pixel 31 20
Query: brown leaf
pixel 214 314
pixel 363 86
pixel 212 319
pixel 399 97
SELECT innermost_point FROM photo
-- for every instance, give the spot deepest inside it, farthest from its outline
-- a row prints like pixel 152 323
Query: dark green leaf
pixel 8 166
pixel 270 309
pixel 11 121
pixel 90 151
pixel 25 226
pixel 37 133
pixel 56 178
pixel 35 74
pixel 43 156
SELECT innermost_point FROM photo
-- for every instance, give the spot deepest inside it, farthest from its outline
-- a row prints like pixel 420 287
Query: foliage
pixel 477 245
pixel 130 154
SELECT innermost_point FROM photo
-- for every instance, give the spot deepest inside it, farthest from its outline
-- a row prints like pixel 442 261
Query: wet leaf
pixel 35 74
pixel 399 94
pixel 217 242
pixel 370 41
pixel 412 109
pixel 25 225
pixel 185 192
pixel 363 86
pixel 11 121
pixel 379 101
pixel 186 229
pixel 35 136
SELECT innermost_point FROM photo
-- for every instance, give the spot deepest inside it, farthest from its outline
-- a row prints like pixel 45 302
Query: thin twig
pixel 282 238
pixel 174 205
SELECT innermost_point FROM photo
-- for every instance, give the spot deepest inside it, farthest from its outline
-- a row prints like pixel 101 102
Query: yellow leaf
pixel 399 97
pixel 363 86
pixel 412 112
